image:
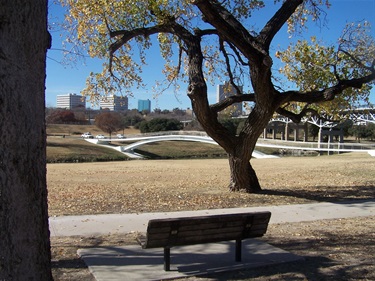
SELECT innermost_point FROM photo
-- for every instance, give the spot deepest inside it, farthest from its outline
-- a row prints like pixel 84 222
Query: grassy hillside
pixel 77 130
pixel 180 150
pixel 60 150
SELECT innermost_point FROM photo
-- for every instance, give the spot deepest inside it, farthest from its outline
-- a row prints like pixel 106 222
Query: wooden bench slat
pixel 198 227
pixel 199 235
pixel 198 223
pixel 209 231
pixel 196 232
pixel 259 218
pixel 192 240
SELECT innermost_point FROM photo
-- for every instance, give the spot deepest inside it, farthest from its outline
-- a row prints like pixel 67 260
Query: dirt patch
pixel 333 249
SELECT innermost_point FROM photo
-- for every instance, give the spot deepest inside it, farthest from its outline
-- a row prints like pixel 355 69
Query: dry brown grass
pixel 161 185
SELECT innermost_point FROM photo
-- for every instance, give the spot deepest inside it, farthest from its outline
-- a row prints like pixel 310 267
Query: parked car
pixel 87 135
pixel 100 137
pixel 120 136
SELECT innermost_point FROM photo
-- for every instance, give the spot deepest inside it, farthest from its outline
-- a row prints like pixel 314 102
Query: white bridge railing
pixel 322 146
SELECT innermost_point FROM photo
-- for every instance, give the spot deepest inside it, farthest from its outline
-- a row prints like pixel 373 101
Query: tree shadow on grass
pixel 348 263
pixel 65 255
pixel 327 193
pixel 312 268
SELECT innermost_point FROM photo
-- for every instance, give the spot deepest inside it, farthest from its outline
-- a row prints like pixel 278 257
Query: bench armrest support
pixel 167 259
pixel 238 250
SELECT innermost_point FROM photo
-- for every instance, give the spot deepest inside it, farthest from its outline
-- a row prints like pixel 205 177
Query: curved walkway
pixel 88 225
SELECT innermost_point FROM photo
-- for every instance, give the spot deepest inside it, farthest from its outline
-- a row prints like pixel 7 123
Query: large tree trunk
pixel 24 233
pixel 242 175
pixel 239 148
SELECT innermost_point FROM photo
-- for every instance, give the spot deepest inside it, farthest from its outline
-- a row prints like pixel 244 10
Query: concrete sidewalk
pixel 134 263
pixel 94 225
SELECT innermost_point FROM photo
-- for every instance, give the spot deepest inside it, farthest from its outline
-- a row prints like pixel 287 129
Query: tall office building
pixel 114 103
pixel 144 105
pixel 70 101
pixel 227 90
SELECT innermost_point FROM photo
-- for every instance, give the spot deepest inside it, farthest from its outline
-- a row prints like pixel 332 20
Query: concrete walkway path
pixel 91 225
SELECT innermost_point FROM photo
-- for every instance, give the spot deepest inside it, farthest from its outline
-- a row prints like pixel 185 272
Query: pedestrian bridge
pixel 139 140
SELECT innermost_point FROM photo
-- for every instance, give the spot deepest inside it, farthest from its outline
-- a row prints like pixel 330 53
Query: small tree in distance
pixel 209 41
pixel 109 122
pixel 61 117
pixel 159 125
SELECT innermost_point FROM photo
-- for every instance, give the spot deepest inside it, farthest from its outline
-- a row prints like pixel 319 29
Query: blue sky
pixel 63 79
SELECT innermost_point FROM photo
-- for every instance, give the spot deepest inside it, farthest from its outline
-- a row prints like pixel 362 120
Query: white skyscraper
pixel 114 103
pixel 70 101
pixel 227 90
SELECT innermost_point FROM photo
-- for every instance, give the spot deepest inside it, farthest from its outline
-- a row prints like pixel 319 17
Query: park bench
pixel 167 233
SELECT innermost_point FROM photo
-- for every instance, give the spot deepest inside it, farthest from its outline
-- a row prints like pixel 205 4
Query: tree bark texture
pixel 242 175
pixel 24 232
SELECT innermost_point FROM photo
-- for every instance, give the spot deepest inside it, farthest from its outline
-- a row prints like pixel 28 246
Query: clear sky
pixel 63 79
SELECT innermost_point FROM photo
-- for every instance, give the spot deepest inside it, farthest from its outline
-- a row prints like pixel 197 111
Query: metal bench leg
pixel 238 250
pixel 167 259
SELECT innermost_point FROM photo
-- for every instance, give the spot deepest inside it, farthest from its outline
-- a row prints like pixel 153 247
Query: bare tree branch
pixel 220 106
pixel 230 28
pixel 277 21
pixel 370 68
pixel 296 117
pixel 327 94
pixel 203 32
pixel 229 70
pixel 238 55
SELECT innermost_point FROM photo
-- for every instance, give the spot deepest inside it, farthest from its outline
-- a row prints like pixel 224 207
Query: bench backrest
pixel 205 229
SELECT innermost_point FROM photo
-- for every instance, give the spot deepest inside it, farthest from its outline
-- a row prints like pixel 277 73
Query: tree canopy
pixel 61 117
pixel 159 125
pixel 109 122
pixel 204 40
pixel 121 34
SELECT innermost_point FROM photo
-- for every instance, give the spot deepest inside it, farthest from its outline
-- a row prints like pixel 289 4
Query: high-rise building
pixel 225 91
pixel 70 101
pixel 144 105
pixel 114 103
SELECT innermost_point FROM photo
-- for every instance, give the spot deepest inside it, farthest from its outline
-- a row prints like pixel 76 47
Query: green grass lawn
pixel 181 149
